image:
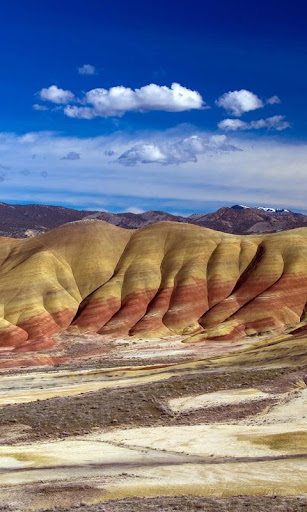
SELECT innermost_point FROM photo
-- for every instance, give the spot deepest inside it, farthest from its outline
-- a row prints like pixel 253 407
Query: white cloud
pixel 233 124
pixel 116 101
pixel 79 112
pixel 87 69
pixel 56 95
pixel 271 123
pixel 36 106
pixel 265 172
pixel 29 138
pixel 273 100
pixel 143 153
pixel 238 102
pixel 176 152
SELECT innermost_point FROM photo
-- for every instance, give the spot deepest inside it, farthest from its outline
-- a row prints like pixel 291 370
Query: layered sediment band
pixel 164 279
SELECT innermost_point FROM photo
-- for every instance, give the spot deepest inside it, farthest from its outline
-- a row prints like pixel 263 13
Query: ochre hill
pixel 164 279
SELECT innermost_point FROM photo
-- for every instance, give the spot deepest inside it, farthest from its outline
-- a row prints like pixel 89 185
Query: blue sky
pixel 90 118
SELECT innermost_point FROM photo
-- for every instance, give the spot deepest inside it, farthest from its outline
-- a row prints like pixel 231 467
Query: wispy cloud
pixel 238 102
pixel 273 100
pixel 271 123
pixel 87 69
pixel 37 106
pixel 265 172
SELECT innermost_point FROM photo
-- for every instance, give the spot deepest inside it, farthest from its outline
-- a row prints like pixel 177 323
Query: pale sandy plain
pixel 213 422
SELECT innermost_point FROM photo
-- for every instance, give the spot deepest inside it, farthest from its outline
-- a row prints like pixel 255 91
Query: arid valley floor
pixel 157 424
pixel 158 368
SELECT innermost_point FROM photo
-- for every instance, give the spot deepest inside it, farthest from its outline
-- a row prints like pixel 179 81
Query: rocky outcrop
pixel 164 279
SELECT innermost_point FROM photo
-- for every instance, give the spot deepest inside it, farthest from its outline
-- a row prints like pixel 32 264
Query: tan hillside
pixel 164 279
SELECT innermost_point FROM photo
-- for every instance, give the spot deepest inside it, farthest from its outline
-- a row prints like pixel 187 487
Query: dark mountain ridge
pixel 21 221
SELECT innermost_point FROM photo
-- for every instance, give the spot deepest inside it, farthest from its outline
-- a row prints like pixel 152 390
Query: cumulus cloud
pixel 109 152
pixel 72 155
pixel 116 101
pixel 37 106
pixel 56 95
pixel 238 102
pixel 273 100
pixel 271 123
pixel 87 69
pixel 176 152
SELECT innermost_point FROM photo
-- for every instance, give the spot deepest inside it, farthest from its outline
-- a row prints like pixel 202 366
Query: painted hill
pixel 22 221
pixel 164 279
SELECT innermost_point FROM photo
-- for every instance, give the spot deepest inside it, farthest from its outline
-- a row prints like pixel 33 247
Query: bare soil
pixel 144 405
pixel 191 504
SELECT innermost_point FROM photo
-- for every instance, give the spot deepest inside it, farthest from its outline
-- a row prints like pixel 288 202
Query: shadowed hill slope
pixel 164 279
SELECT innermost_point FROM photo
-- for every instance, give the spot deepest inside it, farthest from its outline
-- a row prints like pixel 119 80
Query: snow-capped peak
pixel 267 209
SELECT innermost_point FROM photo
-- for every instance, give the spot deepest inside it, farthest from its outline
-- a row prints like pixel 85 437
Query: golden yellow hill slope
pixel 163 279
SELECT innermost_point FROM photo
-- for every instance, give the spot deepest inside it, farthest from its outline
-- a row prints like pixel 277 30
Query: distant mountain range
pixel 22 221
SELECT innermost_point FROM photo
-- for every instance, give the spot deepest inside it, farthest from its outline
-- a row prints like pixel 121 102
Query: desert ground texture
pixel 148 424
pixel 158 368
